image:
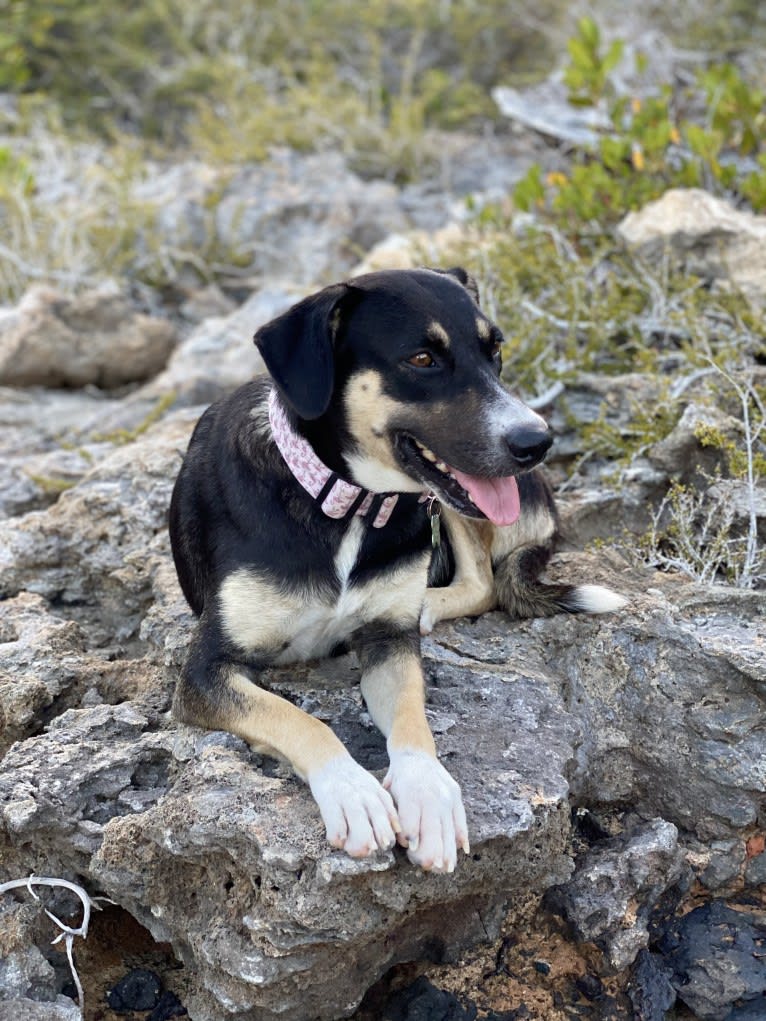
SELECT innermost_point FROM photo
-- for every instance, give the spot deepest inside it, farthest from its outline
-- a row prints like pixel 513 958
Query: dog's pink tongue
pixel 497 498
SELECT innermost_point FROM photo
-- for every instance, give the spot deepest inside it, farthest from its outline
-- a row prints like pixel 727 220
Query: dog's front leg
pixel 359 815
pixel 428 800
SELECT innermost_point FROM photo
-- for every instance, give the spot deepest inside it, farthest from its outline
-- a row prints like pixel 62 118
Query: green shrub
pixel 648 148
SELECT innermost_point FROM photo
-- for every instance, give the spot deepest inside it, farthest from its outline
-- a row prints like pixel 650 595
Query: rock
pixel 140 989
pixel 305 217
pixel 706 235
pixel 218 356
pixel 415 248
pixel 230 863
pixel 168 1006
pixel 55 340
pixel 650 989
pixel 32 1010
pixel 668 694
pixel 39 458
pixel 546 109
pixel 717 956
pixel 41 662
pixel 755 870
pixel 726 858
pixel 24 972
pixel 615 887
pixel 422 1001
pixel 94 545
pixel 28 983
pixel 755 1010
pixel 681 454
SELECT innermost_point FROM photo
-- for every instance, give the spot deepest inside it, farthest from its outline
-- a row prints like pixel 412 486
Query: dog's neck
pixel 336 497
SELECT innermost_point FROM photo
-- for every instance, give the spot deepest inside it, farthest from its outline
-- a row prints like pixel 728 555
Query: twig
pixel 67 932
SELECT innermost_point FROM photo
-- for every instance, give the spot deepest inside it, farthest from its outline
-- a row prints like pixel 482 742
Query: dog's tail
pixel 521 593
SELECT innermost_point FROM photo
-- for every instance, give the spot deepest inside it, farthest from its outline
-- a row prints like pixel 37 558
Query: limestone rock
pixel 304 216
pixel 39 663
pixel 706 235
pixel 94 545
pixel 668 694
pixel 63 1009
pixel 54 340
pixel 545 108
pixel 617 885
pixel 225 856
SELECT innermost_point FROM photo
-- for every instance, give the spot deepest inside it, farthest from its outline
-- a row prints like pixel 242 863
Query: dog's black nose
pixel 529 446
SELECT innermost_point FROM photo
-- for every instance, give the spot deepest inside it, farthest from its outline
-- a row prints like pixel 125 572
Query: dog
pixel 382 479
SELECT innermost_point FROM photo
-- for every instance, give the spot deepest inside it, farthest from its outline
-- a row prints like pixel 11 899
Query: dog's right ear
pixel 297 348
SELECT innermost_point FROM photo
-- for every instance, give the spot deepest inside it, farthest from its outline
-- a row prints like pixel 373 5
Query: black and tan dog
pixel 305 517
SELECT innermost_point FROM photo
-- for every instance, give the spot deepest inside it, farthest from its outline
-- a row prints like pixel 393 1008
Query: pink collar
pixel 335 496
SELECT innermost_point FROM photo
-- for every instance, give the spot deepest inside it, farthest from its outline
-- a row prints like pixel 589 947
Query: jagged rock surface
pixel 55 340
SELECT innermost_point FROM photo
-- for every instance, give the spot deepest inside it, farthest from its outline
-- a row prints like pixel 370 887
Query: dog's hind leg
pixel 216 692
pixel 520 553
pixel 428 800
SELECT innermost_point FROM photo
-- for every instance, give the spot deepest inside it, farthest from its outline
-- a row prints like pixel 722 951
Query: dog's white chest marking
pixel 319 626
pixel 259 614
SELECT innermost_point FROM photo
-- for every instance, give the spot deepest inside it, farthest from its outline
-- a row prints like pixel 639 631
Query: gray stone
pixel 306 217
pixel 31 1010
pixel 725 864
pixel 706 235
pixel 755 870
pixel 717 956
pixel 544 108
pixel 616 886
pixel 40 663
pixel 95 544
pixel 228 861
pixel 54 340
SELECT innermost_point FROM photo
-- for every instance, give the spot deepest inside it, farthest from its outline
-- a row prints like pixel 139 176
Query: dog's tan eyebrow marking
pixel 436 332
pixel 483 328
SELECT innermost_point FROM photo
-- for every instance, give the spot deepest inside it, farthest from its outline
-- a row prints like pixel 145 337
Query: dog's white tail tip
pixel 597 599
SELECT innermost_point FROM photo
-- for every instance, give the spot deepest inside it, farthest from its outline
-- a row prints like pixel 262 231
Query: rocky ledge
pixel 222 854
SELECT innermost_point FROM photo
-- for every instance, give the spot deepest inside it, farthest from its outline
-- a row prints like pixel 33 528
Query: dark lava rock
pixel 718 957
pixel 755 1010
pixel 650 989
pixel 138 990
pixel 422 1001
pixel 169 1006
pixel 590 986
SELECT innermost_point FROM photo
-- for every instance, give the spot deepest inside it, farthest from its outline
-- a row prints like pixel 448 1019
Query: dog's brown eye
pixel 497 349
pixel 422 360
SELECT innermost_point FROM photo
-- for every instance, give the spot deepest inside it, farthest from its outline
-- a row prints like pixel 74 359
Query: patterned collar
pixel 336 497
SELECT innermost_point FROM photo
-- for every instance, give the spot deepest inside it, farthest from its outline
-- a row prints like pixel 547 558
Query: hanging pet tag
pixel 435 513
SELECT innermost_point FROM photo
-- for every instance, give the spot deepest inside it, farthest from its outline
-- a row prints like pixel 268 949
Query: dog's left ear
pixel 463 278
pixel 297 348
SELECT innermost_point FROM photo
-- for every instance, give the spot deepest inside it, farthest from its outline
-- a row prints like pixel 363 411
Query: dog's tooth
pixel 429 454
pixel 441 466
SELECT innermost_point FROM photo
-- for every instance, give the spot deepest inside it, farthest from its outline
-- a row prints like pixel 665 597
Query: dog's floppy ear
pixel 297 348
pixel 463 278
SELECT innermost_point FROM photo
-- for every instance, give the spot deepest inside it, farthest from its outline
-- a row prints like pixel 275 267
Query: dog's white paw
pixel 358 813
pixel 430 806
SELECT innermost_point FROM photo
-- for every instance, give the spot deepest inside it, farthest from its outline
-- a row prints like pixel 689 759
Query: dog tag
pixel 435 514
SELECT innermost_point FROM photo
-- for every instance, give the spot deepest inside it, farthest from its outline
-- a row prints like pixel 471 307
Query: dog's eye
pixel 421 360
pixel 497 349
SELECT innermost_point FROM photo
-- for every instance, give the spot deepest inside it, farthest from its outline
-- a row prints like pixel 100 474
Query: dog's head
pixel 399 370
